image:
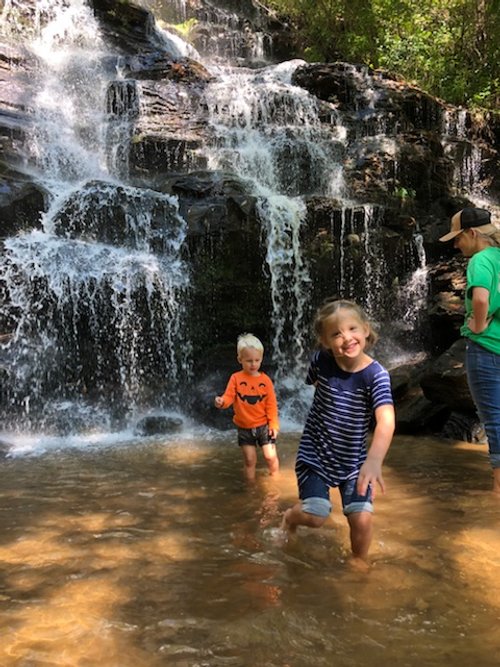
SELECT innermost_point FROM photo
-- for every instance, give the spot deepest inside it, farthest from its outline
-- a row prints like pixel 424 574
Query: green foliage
pixel 187 28
pixel 404 193
pixel 451 48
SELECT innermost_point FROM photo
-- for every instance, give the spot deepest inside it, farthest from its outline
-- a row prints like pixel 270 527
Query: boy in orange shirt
pixel 252 395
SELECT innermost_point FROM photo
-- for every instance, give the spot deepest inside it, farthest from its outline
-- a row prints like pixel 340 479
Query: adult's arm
pixel 478 320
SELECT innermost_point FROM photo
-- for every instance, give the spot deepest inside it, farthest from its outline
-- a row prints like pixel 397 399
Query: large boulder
pixel 444 381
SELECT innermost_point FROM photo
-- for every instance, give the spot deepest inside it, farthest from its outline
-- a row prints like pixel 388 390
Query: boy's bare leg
pixel 271 456
pixel 295 516
pixel 496 480
pixel 361 525
pixel 249 461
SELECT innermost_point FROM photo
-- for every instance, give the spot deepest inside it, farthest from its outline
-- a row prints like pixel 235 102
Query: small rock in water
pixel 5 448
pixel 155 425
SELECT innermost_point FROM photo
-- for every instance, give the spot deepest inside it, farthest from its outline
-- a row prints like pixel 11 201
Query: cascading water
pixel 467 156
pixel 269 133
pixel 95 299
pixel 408 311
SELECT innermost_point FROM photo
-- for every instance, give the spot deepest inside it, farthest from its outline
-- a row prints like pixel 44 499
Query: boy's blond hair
pixel 248 340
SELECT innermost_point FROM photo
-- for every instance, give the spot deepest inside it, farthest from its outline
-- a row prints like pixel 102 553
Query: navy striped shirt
pixel 333 443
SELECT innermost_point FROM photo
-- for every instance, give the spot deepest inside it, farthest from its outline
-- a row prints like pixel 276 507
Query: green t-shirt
pixel 484 271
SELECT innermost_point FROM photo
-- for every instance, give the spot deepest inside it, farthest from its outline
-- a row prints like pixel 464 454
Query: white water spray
pixel 96 297
pixel 268 132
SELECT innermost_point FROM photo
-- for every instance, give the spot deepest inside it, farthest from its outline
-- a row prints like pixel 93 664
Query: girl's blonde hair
pixel 248 340
pixel 332 307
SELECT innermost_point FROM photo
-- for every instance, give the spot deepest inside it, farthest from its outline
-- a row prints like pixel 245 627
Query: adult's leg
pixel 483 376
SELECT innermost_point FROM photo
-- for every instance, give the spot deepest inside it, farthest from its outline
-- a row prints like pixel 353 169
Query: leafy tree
pixel 449 47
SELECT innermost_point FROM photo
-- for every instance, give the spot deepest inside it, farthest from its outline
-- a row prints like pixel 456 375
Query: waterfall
pixel 268 132
pixel 95 299
pixel 408 310
pixel 123 107
pixel 458 130
pixel 414 292
pixel 67 141
pixel 226 37
pixel 283 217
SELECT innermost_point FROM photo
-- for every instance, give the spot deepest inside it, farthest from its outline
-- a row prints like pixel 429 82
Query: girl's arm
pixel 371 470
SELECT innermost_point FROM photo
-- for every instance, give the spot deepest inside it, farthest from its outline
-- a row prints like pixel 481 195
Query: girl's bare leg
pixel 271 456
pixel 361 525
pixel 249 461
pixel 294 516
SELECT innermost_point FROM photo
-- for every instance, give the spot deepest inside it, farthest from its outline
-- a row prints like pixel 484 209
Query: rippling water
pixel 163 555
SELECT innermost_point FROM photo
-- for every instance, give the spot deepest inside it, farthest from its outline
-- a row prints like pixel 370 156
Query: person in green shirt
pixel 476 237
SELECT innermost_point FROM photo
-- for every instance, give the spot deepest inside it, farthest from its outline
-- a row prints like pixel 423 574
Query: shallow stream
pixel 161 554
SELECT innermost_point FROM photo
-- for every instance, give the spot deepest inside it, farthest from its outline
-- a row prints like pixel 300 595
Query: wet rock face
pixel 445 382
pixel 21 204
pixel 129 27
pixel 403 142
pixel 446 308
pixel 21 201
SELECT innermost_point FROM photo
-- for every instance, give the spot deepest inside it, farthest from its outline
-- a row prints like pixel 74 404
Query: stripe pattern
pixel 333 443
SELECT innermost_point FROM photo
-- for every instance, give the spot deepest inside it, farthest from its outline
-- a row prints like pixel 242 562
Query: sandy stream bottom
pixel 161 554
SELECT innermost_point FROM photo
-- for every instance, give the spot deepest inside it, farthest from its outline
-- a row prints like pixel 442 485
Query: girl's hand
pixel 369 474
pixel 218 402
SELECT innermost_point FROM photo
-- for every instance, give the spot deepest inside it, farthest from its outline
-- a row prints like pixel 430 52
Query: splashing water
pixel 96 298
pixel 268 131
pixel 94 318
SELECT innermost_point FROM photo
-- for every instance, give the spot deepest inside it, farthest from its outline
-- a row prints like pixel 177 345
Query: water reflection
pixel 163 554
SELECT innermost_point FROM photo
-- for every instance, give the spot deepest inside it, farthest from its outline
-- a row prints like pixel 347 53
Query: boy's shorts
pixel 255 436
pixel 314 493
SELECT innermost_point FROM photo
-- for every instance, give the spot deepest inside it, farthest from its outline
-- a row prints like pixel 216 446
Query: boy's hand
pixel 273 433
pixel 218 402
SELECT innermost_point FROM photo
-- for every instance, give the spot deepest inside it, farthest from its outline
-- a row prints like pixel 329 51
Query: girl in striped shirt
pixel 351 391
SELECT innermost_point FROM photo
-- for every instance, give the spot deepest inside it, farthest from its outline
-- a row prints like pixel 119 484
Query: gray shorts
pixel 255 436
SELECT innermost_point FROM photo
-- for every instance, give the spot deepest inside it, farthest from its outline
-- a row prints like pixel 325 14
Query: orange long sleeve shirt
pixel 253 399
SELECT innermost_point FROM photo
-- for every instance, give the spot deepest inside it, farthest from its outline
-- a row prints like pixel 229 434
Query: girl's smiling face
pixel 345 335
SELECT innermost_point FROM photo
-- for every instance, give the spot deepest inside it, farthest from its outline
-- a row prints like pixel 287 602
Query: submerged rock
pixel 158 425
pixel 5 448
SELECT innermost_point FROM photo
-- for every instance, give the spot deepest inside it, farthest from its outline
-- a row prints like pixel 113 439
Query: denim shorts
pixel 314 493
pixel 255 436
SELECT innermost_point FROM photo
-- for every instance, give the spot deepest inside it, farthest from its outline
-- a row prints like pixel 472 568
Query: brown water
pixel 163 555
